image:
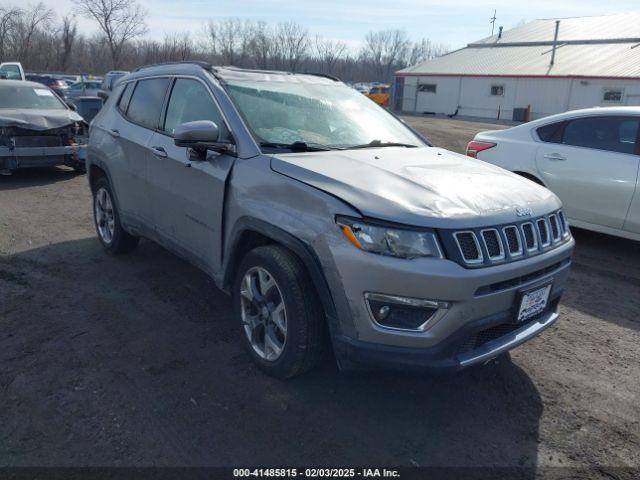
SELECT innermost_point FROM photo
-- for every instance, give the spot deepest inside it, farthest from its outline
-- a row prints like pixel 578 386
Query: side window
pixel 12 72
pixel 612 95
pixel 190 100
pixel 123 103
pixel 614 134
pixel 146 102
pixel 497 90
pixel 551 133
pixel 427 87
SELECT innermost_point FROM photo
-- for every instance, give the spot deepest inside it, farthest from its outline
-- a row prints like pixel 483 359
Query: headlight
pixel 391 241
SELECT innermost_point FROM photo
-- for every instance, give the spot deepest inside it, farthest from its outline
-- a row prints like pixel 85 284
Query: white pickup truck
pixel 12 71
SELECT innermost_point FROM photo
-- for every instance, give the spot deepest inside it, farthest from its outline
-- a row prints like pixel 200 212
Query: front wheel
pixel 107 221
pixel 281 319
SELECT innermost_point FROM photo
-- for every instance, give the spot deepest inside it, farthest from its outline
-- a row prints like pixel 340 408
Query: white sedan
pixel 589 158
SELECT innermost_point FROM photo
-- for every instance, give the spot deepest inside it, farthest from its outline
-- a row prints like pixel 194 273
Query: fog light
pixel 404 313
pixel 381 313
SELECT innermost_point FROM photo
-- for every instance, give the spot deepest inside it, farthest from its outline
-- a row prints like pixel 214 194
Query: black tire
pixel 304 345
pixel 80 168
pixel 120 242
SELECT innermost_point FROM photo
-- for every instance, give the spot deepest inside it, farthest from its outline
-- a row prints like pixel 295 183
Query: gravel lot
pixel 137 361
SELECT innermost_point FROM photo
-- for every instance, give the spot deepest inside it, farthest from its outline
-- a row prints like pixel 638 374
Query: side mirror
pixel 201 135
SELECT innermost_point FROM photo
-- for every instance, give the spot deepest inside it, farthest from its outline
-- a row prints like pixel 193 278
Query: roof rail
pixel 199 63
pixel 324 75
pixel 278 72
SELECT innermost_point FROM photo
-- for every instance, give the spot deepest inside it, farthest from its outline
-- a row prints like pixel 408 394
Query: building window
pixel 497 90
pixel 612 95
pixel 427 87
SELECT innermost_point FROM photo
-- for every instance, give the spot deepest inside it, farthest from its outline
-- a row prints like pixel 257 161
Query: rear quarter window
pixel 551 133
pixel 123 103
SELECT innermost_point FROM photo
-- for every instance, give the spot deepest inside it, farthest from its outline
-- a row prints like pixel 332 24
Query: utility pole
pixel 492 21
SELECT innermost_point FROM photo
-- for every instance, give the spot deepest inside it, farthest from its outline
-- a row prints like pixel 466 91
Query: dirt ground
pixel 137 361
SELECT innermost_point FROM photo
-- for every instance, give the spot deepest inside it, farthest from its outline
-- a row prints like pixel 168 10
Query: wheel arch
pixel 249 233
pixel 99 170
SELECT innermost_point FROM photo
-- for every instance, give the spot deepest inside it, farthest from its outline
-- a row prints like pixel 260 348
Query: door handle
pixel 114 133
pixel 159 152
pixel 554 156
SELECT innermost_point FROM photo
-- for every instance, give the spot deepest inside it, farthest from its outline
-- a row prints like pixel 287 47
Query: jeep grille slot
pixel 514 245
pixel 493 243
pixel 563 224
pixel 469 247
pixel 529 236
pixel 555 227
pixel 544 232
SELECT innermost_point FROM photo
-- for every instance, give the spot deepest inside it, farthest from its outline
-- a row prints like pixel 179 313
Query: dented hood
pixel 34 119
pixel 418 186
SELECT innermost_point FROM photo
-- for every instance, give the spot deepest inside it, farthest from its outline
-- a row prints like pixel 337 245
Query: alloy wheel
pixel 263 313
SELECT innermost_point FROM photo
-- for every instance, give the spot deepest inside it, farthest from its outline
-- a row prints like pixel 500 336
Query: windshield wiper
pixel 299 146
pixel 379 144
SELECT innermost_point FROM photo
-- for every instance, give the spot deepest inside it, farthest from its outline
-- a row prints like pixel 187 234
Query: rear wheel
pixel 282 323
pixel 107 221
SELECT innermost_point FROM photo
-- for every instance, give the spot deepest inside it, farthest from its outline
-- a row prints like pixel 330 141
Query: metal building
pixel 537 69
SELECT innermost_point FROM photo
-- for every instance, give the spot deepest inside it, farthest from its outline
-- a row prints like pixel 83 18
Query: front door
pixel 187 193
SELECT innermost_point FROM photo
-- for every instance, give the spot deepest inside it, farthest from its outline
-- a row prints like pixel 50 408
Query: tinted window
pixel 146 102
pixel 125 97
pixel 551 133
pixel 190 100
pixel 615 134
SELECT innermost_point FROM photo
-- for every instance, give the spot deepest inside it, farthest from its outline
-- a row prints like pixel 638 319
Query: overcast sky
pixel 452 22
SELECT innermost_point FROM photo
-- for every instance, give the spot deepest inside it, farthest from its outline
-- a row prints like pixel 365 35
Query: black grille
pixel 544 234
pixel 492 242
pixel 513 240
pixel 555 228
pixel 468 246
pixel 514 282
pixel 37 141
pixel 487 335
pixel 563 222
pixel 529 236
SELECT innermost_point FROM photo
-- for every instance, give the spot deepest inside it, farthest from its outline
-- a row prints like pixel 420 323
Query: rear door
pixel 591 163
pixel 187 194
pixel 139 109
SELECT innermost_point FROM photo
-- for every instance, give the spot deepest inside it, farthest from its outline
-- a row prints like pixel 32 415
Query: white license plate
pixel 533 302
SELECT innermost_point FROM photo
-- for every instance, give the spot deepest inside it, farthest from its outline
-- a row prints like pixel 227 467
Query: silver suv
pixel 329 220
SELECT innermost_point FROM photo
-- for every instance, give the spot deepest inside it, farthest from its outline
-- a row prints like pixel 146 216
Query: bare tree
pixel 28 25
pixel 263 46
pixel 8 19
pixel 121 21
pixel 28 35
pixel 424 50
pixel 328 52
pixel 385 49
pixel 68 34
pixel 294 42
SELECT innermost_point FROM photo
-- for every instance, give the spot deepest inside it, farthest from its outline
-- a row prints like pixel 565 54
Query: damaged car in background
pixel 37 129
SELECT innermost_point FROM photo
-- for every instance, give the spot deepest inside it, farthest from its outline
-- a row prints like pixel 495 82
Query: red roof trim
pixel 486 75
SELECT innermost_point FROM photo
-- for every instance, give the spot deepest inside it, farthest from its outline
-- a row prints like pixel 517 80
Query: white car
pixel 589 158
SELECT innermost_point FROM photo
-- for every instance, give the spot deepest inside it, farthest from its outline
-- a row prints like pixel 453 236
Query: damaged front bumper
pixel 26 157
pixel 23 148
